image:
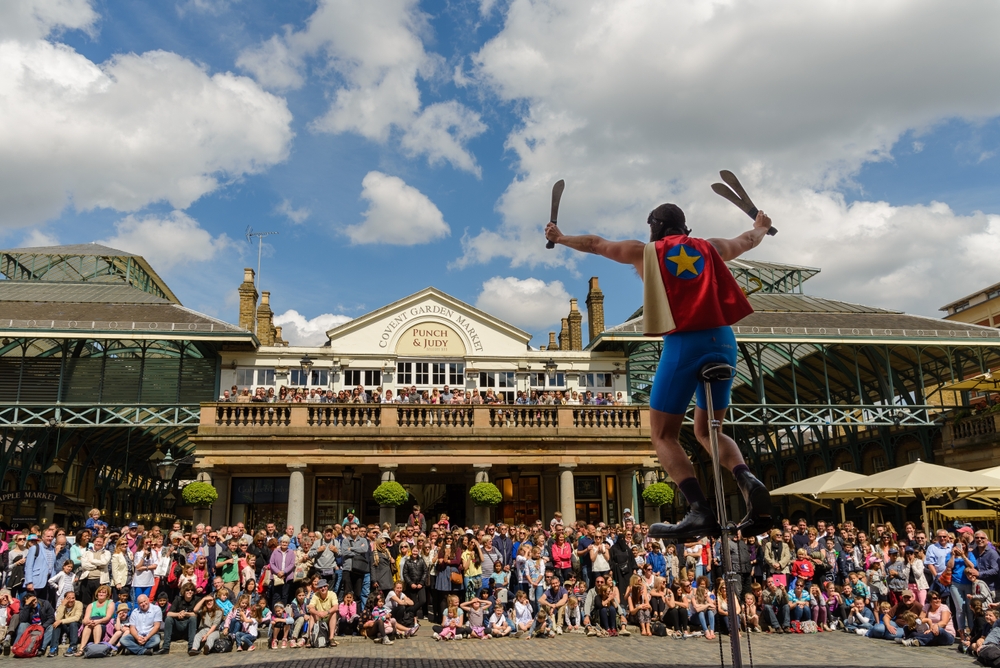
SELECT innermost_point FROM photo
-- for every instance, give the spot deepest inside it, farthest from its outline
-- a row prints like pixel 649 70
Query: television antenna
pixel 250 234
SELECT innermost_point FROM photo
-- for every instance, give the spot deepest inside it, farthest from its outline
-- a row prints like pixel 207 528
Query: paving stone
pixel 422 651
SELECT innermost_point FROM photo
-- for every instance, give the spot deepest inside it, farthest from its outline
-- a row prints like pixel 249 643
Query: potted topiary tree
pixel 484 495
pixel 389 495
pixel 654 496
pixel 201 495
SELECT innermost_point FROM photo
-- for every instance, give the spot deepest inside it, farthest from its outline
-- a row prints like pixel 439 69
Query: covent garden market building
pixel 104 375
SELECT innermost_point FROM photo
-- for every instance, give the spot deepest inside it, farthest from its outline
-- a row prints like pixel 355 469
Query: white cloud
pixel 36 19
pixel 35 238
pixel 529 303
pixel 486 7
pixel 300 331
pixel 397 214
pixel 376 49
pixel 168 241
pixel 209 7
pixel 134 130
pixel 296 216
pixel 794 97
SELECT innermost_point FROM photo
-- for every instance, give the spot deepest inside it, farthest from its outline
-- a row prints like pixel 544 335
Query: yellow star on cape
pixel 685 262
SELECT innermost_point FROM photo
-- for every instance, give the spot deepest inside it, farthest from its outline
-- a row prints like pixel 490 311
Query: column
pixel 567 494
pixel 481 514
pixel 296 495
pixel 220 509
pixel 625 496
pixel 651 513
pixel 387 514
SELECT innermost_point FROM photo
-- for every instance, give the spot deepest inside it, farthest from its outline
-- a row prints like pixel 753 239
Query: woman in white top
pixel 93 570
pixel 599 552
pixel 147 558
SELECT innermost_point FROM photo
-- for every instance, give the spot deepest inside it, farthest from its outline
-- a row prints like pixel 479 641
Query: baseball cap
pixel 965 529
pixel 133 525
pixel 893 550
pixel 908 550
pixel 32 536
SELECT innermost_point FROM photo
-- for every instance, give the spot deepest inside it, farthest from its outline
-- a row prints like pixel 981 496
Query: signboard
pixel 406 318
pixel 430 339
pixel 32 495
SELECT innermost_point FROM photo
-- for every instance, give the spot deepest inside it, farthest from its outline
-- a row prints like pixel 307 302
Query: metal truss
pixel 90 415
pixel 817 415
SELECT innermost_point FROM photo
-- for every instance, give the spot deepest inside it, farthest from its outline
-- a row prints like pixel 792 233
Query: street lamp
pixel 306 364
pixel 551 365
pixel 348 474
pixel 169 501
pixel 515 474
pixel 53 476
pixel 167 466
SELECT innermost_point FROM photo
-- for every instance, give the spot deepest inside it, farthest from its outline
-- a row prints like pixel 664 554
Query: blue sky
pixel 396 144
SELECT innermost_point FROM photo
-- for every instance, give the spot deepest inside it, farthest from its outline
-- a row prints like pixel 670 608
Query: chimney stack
pixel 552 341
pixel 595 309
pixel 248 300
pixel 265 324
pixel 278 341
pixel 575 326
pixel 564 335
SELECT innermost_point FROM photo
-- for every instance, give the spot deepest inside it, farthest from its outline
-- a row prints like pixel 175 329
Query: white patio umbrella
pixel 809 489
pixel 918 480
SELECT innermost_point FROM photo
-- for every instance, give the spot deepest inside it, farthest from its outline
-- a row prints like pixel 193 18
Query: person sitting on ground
pixel 68 616
pixel 97 614
pixel 936 619
pixel 476 610
pixel 861 619
pixel 451 621
pixel 499 624
pixel 523 614
pixel 750 620
pixel 144 625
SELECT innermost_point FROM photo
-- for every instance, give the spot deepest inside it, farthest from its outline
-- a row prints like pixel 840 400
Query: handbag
pixel 457 578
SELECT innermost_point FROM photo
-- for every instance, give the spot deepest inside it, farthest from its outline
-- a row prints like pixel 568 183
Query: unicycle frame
pixel 732 579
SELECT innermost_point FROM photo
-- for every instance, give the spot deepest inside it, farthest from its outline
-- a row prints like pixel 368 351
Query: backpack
pixel 30 642
pixel 989 655
pixel 658 628
pixel 221 646
pixel 809 627
pixel 97 650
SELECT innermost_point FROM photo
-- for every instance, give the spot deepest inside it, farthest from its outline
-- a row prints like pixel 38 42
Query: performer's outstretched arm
pixel 730 249
pixel 625 252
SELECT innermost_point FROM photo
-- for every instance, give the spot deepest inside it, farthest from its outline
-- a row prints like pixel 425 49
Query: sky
pixel 399 144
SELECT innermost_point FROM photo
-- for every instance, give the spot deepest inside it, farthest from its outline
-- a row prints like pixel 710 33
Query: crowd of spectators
pixel 411 395
pixel 140 590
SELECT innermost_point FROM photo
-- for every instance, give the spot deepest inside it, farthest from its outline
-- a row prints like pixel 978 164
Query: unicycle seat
pixel 716 372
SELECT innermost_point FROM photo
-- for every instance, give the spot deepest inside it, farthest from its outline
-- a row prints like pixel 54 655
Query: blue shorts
pixel 684 353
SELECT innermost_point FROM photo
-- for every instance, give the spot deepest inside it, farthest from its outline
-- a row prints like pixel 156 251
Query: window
pixel 598 380
pixel 960 307
pixel 500 380
pixel 456 374
pixel 557 380
pixel 244 377
pixel 878 463
pixel 796 476
pixel 316 377
pixel 423 373
pixel 363 377
pixel 536 380
pixel 521 502
pixel 439 373
pixel 404 373
pixel 847 466
pixel 772 481
pixel 265 376
pixel 911 456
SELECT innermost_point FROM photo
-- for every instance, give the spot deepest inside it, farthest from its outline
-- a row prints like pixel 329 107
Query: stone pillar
pixel 387 513
pixel 296 495
pixel 481 514
pixel 595 309
pixel 625 498
pixel 651 513
pixel 567 494
pixel 220 509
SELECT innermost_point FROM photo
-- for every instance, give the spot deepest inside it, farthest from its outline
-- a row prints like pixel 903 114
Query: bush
pixel 390 493
pixel 485 494
pixel 199 494
pixel 658 494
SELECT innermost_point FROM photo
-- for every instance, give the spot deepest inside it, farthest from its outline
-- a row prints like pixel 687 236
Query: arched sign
pixel 430 339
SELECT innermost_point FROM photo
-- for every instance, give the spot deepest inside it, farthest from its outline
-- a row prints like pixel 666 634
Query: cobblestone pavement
pixel 575 651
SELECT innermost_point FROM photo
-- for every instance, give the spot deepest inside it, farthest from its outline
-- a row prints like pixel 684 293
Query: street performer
pixel 691 299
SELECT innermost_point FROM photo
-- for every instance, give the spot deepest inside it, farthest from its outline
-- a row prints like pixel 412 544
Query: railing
pixel 524 416
pixel 242 415
pixel 70 415
pixel 983 425
pixel 612 417
pixel 433 416
pixel 348 415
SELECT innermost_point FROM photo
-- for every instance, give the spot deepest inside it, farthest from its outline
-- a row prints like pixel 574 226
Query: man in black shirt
pixel 181 617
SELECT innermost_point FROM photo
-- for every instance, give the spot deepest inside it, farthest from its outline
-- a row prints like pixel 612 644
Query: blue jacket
pixel 659 564
pixel 36 566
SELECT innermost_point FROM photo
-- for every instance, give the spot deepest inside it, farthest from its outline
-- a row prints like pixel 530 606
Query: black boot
pixel 700 521
pixel 758 499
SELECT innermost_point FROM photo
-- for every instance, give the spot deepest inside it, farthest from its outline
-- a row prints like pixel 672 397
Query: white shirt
pixel 145 578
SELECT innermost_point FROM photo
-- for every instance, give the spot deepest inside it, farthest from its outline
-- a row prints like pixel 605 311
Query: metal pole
pixel 731 578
